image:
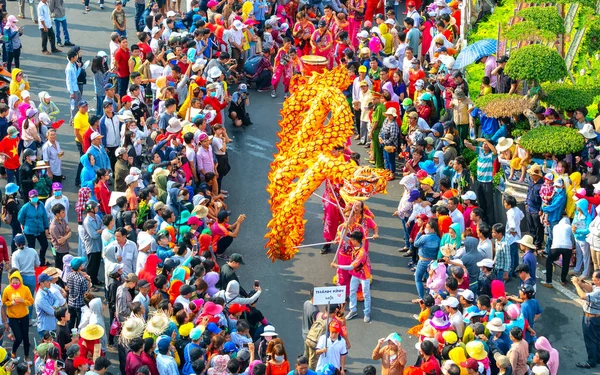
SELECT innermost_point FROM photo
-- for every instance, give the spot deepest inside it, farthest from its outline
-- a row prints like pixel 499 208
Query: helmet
pixel 90 206
pixel 11 188
pixel 20 239
pixel 28 152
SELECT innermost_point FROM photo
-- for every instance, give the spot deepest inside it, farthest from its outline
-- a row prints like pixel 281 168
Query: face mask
pixel 427 230
pixel 57 194
pixel 559 170
pixel 33 158
pixel 590 170
pixel 15 286
pixel 196 10
pixel 405 107
pixel 46 289
pixel 558 190
pixel 279 358
pixel 18 78
pixel 14 136
pixel 213 94
pixel 34 199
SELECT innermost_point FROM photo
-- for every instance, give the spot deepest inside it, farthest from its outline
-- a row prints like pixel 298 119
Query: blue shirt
pixel 534 201
pixel 166 365
pixel 428 245
pixel 260 8
pixel 530 260
pixel 412 38
pixel 556 207
pixel 489 125
pixel 72 72
pixel 530 309
pixel 44 308
pixel 485 165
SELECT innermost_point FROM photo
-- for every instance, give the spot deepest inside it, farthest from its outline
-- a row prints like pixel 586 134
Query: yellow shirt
pixel 81 123
pixel 485 90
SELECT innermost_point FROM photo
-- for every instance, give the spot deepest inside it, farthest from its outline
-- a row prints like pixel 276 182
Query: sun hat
pixel 11 188
pixel 158 323
pixel 450 337
pixel 200 211
pixel 496 325
pixel 391 111
pixel 504 144
pixel 488 263
pixel 448 138
pixel 440 320
pixel 588 131
pixel 92 332
pixel 186 329
pixel 475 349
pixel 52 272
pixel 132 327
pixel 536 170
pixel 210 308
pixel 427 330
pixel 470 364
pixel 391 62
pixel 214 72
pixel 427 181
pixel 428 166
pixel 174 125
pixel 269 331
pixel 527 241
pixel 502 361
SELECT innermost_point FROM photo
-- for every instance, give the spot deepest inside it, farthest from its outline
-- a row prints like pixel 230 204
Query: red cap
pixel 193 220
pixel 237 308
pixel 335 326
pixel 429 367
pixel 470 364
pixel 410 4
pixel 421 174
pixel 79 361
pixel 126 99
pixel 423 217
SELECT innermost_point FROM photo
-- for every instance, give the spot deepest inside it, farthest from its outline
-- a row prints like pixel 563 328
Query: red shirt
pixel 3 250
pixel 102 193
pixel 217 106
pixel 145 49
pixel 122 61
pixel 87 139
pixel 149 361
pixel 10 146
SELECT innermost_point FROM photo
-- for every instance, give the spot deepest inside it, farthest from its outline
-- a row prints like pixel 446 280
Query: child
pixel 267 41
pixel 241 336
pixel 546 193
pixel 436 281
pixel 118 19
pixel 48 106
pixel 425 304
pixel 520 160
pixel 485 87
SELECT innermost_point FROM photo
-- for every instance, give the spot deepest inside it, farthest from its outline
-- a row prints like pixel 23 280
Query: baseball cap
pixel 82 103
pixel 235 257
pixel 126 99
pixel 470 195
pixel 414 195
pixel 96 135
pixel 223 214
pixel 108 86
pixel 451 302
pixel 489 263
pixel 470 364
pixel 468 295
pixel 142 283
pixel 44 277
pixel 131 278
pixel 213 328
pixel 120 151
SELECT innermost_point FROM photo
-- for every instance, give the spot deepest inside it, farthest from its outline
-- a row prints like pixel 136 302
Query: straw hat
pixel 448 138
pixel 41 165
pixel 427 330
pixel 200 211
pixel 476 350
pixel 133 327
pixel 391 111
pixel 158 323
pixel 92 332
pixel 504 144
pixel 527 241
pixel 536 170
pixel 495 325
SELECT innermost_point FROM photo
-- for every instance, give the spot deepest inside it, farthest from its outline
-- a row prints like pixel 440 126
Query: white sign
pixel 329 294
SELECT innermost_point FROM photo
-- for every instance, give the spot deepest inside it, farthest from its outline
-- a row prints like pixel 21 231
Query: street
pixel 285 284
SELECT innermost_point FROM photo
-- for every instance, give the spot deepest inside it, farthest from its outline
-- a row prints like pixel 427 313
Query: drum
pixel 314 63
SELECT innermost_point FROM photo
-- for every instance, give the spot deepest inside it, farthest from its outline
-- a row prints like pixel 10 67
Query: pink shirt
pixel 204 160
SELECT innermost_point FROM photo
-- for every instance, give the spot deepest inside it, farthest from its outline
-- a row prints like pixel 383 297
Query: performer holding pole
pixel 332 213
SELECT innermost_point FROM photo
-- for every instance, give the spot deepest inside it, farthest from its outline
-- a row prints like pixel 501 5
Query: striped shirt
pixel 485 165
pixel 502 259
pixel 593 301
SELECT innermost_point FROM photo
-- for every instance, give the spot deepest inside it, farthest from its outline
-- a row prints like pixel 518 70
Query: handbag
pixel 390 149
pixel 115 327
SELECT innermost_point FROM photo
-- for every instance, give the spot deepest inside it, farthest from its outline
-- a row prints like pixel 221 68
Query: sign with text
pixel 329 294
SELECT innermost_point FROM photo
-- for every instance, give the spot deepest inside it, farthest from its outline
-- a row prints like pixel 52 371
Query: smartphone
pixel 60 364
pixel 256 283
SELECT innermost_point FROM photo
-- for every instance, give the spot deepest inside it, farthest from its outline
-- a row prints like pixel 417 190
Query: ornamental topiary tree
pixel 555 140
pixel 567 97
pixel 528 31
pixel 537 63
pixel 544 18
pixel 502 105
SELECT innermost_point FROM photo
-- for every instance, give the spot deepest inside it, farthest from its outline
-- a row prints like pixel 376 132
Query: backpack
pixel 317 329
pixel 6 216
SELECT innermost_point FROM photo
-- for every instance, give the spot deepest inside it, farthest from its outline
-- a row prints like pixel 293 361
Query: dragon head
pixel 364 183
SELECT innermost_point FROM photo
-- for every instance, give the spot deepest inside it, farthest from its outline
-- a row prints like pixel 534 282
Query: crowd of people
pixel 152 209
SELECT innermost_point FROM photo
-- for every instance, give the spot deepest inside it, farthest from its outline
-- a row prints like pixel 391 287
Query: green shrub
pixel 566 96
pixel 468 155
pixel 556 140
pixel 528 31
pixel 587 3
pixel 473 167
pixel 544 18
pixel 536 62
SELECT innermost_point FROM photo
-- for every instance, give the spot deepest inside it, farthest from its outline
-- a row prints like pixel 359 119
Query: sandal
pixel 584 365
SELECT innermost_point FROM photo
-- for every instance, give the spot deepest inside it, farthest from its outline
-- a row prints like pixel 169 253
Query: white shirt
pixel 44 15
pixel 335 350
pixel 217 145
pixel 457 217
pixel 513 224
pixel 113 47
pixel 562 235
pixel 185 302
pixel 156 71
pixel 236 36
pixel 51 202
pixel 457 322
pixel 141 261
pixel 485 248
pixel 112 131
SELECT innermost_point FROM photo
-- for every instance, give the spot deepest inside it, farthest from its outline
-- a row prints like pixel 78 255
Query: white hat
pixel 390 21
pixel 285 26
pixel 144 239
pixel 45 119
pixel 96 135
pixel 269 331
pixel 214 72
pixel 496 325
pixel 101 54
pixel 25 94
pixel 362 35
pixel 391 62
pixel 174 125
pixel 130 178
pixel 391 111
pixel 558 182
pixel 171 14
pixel 504 144
pixel 420 83
pixel 46 95
pixel 155 30
pixel 120 151
pixel 238 25
pixel 451 302
pixel 375 30
pixel 588 131
pixel 470 195
pixel 527 241
pixel 489 263
pixel 468 294
pixel 135 171
pixel 126 116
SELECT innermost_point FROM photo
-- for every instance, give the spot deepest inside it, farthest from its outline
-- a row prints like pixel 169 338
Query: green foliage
pixel 536 62
pixel 502 105
pixel 473 167
pixel 522 125
pixel 468 155
pixel 497 177
pixel 516 133
pixel 591 40
pixel 528 31
pixel 587 3
pixel 487 28
pixel 544 18
pixel 566 96
pixel 556 140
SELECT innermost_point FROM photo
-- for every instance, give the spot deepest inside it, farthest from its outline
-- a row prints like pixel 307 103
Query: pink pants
pixel 353 30
pixel 277 75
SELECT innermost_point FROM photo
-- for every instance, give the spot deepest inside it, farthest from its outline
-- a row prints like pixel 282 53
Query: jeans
pixel 14 55
pixel 122 34
pixel 366 289
pixel 591 337
pixel 420 273
pixel 74 102
pixel 80 166
pixel 48 35
pixel 485 195
pixel 123 85
pixel 514 258
pixel 41 238
pixel 139 10
pixel 406 232
pixel 80 246
pixel 364 132
pixel 57 26
pixel 549 237
pixel 584 258
pixel 99 105
pixel 12 175
pixel 29 281
pixel 389 161
pixel 20 329
pixel 566 258
pixel 536 229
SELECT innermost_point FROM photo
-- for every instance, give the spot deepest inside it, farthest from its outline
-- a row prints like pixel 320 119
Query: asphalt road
pixel 285 284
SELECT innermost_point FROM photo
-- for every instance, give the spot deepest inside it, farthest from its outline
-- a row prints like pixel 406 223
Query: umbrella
pixel 472 53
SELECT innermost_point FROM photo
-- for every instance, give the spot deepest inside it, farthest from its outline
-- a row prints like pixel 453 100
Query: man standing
pixel 591 318
pixel 79 284
pixel 81 124
pixel 45 303
pixel 52 154
pixel 45 25
pixel 126 250
pixel 57 10
pixel 502 258
pixel 514 215
pixel 331 348
pixel 124 298
pixel 228 272
pixel 164 359
pixel 142 297
pixel 92 240
pixel 97 150
pixel 72 71
pixel 122 66
pixel 110 127
pixel 533 204
pixel 486 154
pixel 360 273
